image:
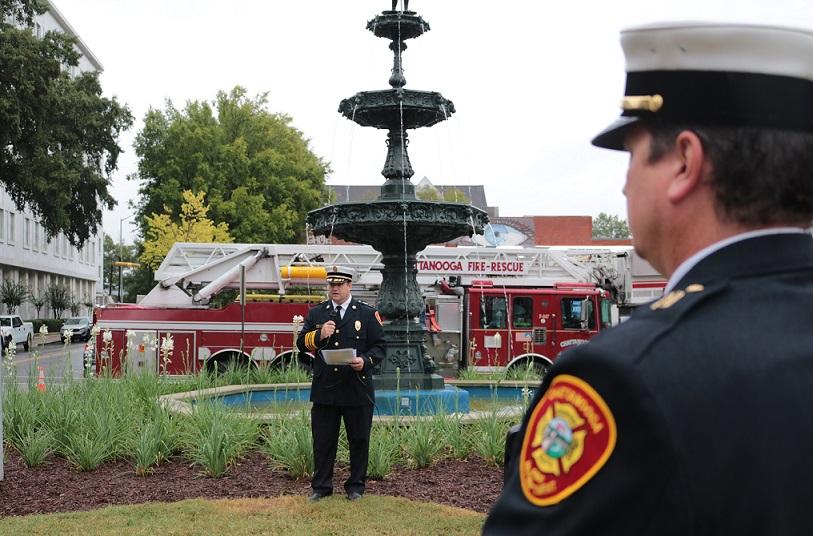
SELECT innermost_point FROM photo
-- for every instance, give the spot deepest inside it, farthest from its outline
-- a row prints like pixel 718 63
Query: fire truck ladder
pixel 191 272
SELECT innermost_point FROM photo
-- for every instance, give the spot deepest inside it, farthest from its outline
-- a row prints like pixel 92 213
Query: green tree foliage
pixel 12 294
pixel 452 195
pixel 258 172
pixel 608 226
pixel 112 251
pixel 57 133
pixel 194 226
pixel 59 299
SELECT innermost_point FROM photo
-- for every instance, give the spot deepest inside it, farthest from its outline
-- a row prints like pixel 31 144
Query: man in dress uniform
pixel 693 417
pixel 341 392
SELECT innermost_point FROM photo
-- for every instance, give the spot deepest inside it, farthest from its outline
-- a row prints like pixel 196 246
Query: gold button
pixel 337 331
pixel 335 369
pixel 363 377
pixel 336 343
pixel 357 336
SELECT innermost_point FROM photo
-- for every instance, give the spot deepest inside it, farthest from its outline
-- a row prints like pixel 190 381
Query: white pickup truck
pixel 14 330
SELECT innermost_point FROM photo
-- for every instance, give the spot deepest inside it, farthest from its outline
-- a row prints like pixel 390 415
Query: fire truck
pixel 486 308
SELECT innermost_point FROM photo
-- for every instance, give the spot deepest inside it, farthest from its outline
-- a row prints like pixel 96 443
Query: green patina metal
pixel 398 224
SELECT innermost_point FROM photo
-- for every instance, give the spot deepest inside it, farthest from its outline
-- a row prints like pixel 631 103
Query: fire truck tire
pixel 289 359
pixel 541 368
pixel 220 363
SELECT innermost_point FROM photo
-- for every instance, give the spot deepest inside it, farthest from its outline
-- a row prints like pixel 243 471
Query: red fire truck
pixel 487 308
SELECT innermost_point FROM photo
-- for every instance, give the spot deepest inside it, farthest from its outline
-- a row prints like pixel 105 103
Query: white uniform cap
pixel 715 74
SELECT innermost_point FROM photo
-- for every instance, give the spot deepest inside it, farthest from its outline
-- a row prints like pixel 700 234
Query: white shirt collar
pixel 344 305
pixel 692 261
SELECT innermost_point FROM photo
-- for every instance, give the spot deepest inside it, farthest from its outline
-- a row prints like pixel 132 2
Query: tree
pixel 194 226
pixel 258 172
pixel 112 251
pixel 37 300
pixel 12 294
pixel 59 299
pixel 608 226
pixel 57 133
pixel 452 195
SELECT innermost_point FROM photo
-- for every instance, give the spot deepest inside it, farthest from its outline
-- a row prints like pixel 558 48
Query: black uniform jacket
pixel 360 329
pixel 706 423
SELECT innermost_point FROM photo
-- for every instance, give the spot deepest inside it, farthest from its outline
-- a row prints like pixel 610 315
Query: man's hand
pixel 327 329
pixel 357 364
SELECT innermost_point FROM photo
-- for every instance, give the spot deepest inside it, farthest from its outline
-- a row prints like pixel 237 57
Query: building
pixel 26 256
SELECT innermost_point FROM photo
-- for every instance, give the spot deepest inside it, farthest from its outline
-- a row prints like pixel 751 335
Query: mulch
pixel 58 487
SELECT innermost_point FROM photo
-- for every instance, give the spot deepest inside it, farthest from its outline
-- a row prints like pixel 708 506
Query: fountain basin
pixel 452 399
pixel 397 108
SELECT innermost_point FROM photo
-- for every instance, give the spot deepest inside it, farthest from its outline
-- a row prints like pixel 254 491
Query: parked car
pixel 14 331
pixel 79 326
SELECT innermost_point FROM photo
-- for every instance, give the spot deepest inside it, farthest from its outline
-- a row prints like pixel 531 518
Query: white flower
pixel 299 319
pixel 44 329
pixel 95 330
pixel 167 344
pixel 107 336
pixel 67 334
pixel 130 334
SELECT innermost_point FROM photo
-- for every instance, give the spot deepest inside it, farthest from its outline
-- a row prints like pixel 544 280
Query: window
pixel 16 322
pixel 492 312
pixel 27 233
pixel 11 227
pixel 36 239
pixel 522 312
pixel 2 224
pixel 606 313
pixel 576 309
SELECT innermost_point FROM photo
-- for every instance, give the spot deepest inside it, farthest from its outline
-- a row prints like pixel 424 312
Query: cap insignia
pixel 570 435
pixel 647 103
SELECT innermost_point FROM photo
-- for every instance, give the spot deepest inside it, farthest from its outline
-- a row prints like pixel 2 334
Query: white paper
pixel 339 357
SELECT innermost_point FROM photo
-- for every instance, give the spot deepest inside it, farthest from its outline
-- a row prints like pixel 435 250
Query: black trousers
pixel 325 420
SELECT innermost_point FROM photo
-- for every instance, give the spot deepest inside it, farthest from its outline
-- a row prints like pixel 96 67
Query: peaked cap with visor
pixel 689 73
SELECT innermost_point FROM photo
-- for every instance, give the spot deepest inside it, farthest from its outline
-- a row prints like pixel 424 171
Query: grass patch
pixel 292 516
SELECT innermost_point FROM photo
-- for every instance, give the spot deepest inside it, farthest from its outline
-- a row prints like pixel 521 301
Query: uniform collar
pixel 345 305
pixel 755 252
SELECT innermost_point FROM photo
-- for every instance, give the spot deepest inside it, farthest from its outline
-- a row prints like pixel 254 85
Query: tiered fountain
pixel 397 223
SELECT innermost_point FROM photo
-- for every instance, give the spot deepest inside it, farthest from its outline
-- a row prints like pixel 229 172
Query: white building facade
pixel 26 255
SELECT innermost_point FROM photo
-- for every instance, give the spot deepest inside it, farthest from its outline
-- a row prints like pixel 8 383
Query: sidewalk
pixel 50 338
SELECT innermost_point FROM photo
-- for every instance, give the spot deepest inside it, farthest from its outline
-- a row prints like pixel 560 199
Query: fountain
pixel 397 212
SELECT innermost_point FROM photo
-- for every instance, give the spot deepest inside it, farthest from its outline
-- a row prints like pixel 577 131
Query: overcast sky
pixel 532 82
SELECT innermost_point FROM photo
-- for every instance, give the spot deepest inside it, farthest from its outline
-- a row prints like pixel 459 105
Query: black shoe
pixel 318 496
pixel 353 496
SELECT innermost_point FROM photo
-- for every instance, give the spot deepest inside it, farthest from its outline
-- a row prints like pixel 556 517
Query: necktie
pixel 338 312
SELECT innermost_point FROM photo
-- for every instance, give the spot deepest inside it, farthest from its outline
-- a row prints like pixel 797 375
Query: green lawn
pixel 289 516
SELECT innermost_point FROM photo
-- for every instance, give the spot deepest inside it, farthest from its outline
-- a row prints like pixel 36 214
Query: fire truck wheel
pixel 541 368
pixel 220 364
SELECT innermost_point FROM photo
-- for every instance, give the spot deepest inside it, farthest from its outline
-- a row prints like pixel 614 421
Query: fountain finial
pixel 395 5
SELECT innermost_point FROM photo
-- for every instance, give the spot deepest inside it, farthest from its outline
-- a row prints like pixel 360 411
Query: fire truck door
pixel 575 320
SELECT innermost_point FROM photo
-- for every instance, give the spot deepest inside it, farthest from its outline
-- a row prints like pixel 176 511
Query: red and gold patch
pixel 378 317
pixel 570 436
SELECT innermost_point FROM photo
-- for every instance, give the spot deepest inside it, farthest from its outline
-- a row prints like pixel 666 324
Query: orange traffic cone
pixel 41 380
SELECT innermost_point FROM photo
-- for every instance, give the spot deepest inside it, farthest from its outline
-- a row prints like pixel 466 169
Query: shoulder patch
pixel 378 317
pixel 570 436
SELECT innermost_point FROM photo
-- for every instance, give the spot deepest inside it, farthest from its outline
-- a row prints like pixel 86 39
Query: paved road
pixel 57 360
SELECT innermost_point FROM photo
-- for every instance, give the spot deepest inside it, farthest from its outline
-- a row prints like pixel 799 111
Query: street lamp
pixel 121 247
